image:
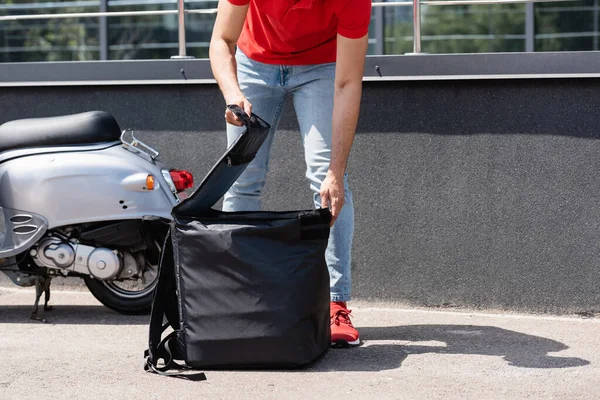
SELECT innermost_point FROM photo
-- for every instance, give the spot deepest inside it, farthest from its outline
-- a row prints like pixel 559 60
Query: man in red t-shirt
pixel 313 50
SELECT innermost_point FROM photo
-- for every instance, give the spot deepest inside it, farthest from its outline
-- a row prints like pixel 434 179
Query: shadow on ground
pixel 517 349
pixel 71 314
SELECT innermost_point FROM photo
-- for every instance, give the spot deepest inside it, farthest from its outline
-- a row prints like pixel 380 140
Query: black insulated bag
pixel 240 289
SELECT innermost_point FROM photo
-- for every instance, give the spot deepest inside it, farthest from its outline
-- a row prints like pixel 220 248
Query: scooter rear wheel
pixel 121 300
pixel 121 296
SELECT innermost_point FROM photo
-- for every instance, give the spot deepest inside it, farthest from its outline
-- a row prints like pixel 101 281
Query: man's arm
pixel 228 27
pixel 346 105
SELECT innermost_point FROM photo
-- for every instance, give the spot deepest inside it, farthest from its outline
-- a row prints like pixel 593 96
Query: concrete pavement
pixel 89 352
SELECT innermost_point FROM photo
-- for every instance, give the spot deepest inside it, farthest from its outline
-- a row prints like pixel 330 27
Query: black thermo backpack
pixel 240 289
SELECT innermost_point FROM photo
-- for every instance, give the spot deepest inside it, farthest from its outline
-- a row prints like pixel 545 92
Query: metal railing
pixel 182 11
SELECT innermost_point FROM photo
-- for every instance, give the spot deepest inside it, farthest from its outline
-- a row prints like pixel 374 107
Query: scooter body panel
pixel 87 186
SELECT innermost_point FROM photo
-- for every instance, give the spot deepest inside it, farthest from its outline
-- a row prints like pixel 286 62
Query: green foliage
pixel 492 28
pixel 464 29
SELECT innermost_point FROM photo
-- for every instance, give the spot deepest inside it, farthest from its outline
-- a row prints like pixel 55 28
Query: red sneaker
pixel 343 334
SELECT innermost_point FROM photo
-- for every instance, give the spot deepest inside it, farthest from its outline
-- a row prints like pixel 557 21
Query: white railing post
pixel 416 4
pixel 181 25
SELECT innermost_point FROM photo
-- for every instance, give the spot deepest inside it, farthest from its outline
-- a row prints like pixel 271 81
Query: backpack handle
pixel 241 114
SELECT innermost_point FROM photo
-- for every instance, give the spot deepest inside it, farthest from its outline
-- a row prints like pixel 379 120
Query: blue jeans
pixel 312 86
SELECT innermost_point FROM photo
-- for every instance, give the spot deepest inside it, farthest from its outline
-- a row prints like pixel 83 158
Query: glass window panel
pixel 457 29
pixel 398 31
pixel 70 39
pixel 559 26
pixel 566 26
pixel 198 28
pixel 142 37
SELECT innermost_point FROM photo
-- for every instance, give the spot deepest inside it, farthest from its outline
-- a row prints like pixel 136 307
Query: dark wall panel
pixel 474 193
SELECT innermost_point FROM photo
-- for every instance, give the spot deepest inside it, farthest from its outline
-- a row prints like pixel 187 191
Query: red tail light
pixel 182 179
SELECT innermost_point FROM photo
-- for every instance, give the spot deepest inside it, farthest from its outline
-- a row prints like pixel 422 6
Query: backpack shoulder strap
pixel 164 304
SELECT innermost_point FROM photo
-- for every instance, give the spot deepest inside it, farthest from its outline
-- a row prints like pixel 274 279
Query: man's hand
pixel 346 104
pixel 332 194
pixel 244 104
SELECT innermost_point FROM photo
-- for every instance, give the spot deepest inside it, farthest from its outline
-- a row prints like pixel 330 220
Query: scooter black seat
pixel 85 128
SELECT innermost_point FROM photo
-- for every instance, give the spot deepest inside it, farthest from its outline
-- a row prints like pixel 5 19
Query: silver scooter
pixel 79 197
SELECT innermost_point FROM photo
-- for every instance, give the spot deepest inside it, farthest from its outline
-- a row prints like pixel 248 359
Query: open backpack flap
pixel 229 167
pixel 240 289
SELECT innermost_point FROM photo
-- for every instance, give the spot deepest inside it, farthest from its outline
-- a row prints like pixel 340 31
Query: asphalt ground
pixel 86 351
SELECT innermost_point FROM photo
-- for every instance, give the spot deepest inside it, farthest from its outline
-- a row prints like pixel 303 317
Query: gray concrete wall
pixel 481 193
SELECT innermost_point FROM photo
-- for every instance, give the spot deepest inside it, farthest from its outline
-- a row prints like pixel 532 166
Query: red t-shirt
pixel 296 32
